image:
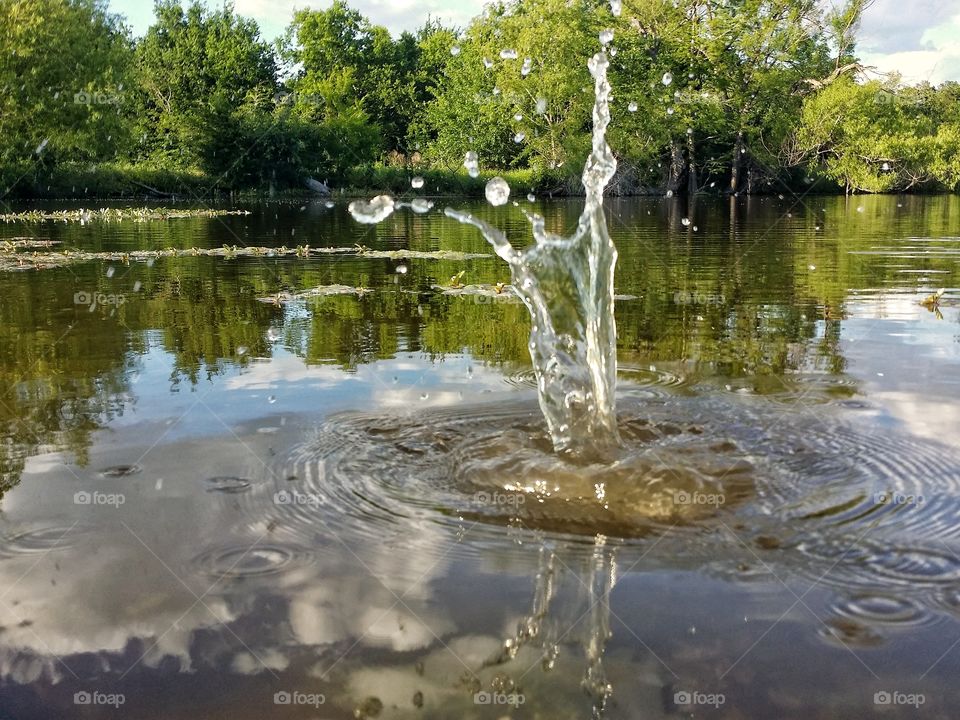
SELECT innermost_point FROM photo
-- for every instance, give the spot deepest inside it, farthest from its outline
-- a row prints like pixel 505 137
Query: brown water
pixel 353 496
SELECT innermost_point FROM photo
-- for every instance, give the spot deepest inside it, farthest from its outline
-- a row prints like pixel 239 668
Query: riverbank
pixel 140 182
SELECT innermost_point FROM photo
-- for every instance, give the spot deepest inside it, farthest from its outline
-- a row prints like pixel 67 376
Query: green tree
pixel 202 74
pixel 64 81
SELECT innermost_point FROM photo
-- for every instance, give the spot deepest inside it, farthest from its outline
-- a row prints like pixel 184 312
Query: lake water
pixel 219 502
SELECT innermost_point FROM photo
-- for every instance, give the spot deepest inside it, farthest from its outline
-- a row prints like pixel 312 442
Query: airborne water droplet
pixel 487 62
pixel 616 7
pixel 526 67
pixel 508 54
pixel 633 107
pixel 686 222
pixel 497 191
pixel 416 182
pixel 455 50
pixel 372 211
pixel 420 205
pixel 472 163
pixel 606 36
pixel 667 78
pixel 531 197
pixel 519 137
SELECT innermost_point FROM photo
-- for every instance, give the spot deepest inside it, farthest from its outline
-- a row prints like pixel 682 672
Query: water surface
pixel 210 497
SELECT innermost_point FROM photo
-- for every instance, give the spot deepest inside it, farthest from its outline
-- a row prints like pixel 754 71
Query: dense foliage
pixel 728 95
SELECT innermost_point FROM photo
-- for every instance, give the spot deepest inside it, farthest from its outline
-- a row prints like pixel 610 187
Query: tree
pixel 200 74
pixel 64 81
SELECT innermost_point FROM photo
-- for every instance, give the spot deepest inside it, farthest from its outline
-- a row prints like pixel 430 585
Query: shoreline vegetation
pixel 710 96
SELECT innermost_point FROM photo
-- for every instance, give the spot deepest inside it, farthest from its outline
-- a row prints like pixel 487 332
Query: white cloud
pixel 397 15
pixel 934 56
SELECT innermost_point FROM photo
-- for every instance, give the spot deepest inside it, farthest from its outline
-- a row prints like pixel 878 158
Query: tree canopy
pixel 721 95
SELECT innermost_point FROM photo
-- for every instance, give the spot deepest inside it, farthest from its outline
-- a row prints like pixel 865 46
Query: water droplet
pixel 401 269
pixel 527 67
pixel 689 131
pixel 137 285
pixel 272 399
pixel 518 117
pixel 531 197
pixel 497 191
pixel 420 205
pixel 487 62
pixel 541 106
pixel 241 350
pixel 496 91
pixel 686 222
pixel 519 137
pixel 669 193
pixel 416 182
pixel 633 107
pixel 472 163
pixel 455 50
pixel 667 78
pixel 508 54
pixel 670 111
pixel 885 166
pixel 606 36
pixel 860 209
pixel 616 7
pixel 273 335
pixel 110 271
pixel 372 211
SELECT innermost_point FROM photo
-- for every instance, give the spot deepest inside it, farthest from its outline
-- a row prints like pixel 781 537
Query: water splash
pixel 567 284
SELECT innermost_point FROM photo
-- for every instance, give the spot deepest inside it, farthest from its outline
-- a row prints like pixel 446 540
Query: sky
pixel 920 39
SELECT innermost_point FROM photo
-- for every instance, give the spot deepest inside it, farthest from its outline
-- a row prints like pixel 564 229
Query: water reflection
pixel 795 345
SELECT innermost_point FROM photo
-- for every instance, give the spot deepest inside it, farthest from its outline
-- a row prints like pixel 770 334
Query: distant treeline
pixel 710 95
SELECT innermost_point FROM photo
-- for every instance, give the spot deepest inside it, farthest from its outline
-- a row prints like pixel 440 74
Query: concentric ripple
pixel 718 481
pixel 227 484
pixel 250 561
pixel 41 540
